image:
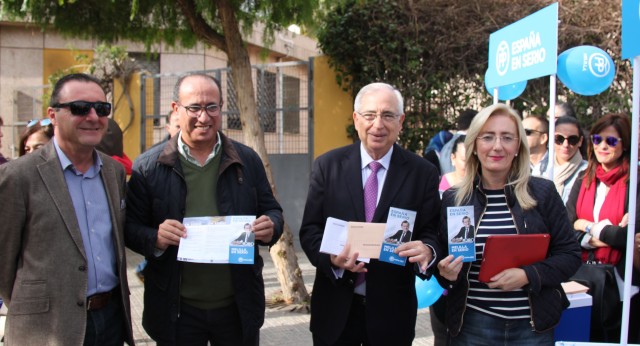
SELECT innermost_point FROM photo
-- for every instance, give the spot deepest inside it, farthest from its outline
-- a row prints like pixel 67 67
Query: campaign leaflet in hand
pixel 218 239
pixel 461 232
pixel 398 230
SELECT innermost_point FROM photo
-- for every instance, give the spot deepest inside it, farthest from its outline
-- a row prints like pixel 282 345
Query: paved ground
pixel 281 327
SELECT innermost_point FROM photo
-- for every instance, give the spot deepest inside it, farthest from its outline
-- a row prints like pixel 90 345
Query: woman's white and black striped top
pixel 497 219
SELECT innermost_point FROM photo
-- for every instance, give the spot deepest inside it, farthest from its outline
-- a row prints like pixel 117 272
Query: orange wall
pixel 332 109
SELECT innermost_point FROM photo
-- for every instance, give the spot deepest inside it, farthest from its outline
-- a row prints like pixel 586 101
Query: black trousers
pixel 216 326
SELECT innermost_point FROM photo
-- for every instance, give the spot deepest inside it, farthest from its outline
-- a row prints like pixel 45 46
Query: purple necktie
pixel 370 200
pixel 371 191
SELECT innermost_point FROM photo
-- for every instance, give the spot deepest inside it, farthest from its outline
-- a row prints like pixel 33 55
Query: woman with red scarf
pixel 598 204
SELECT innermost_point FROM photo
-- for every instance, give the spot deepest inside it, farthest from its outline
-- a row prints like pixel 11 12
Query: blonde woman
pixel 519 306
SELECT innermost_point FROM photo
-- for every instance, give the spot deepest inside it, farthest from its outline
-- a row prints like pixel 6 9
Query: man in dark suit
pixel 467 232
pixel 63 269
pixel 381 310
pixel 402 236
pixel 247 238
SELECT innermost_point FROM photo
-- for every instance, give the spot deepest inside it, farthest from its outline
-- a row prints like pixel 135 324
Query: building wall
pixel 29 55
pixel 332 109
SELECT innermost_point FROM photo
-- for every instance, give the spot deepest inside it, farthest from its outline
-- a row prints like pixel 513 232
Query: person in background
pixel 173 124
pixel 2 158
pixel 537 130
pixel 569 163
pixel 371 303
pixel 563 109
pixel 432 151
pixel 457 160
pixel 112 145
pixel 63 273
pixel 37 133
pixel 198 173
pixel 464 120
pixel 598 209
pixel 519 306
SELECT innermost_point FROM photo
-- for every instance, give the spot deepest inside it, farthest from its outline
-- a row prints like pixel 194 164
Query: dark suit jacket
pixel 397 235
pixel 336 190
pixel 460 234
pixel 43 277
pixel 242 239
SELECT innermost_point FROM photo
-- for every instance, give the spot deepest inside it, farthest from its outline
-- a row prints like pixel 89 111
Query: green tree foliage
pixel 435 52
pixel 152 21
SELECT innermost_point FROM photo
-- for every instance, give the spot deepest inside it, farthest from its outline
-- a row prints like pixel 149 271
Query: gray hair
pixel 369 88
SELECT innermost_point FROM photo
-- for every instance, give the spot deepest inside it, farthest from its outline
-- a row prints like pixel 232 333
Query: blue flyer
pixel 241 249
pixel 399 230
pixel 461 232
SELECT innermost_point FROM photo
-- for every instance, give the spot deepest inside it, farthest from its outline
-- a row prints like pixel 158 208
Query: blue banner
pixel 630 28
pixel 524 50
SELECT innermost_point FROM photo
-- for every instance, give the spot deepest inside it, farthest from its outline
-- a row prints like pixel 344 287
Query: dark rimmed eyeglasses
pixel 42 122
pixel 194 111
pixel 573 139
pixel 82 108
pixel 529 132
pixel 610 140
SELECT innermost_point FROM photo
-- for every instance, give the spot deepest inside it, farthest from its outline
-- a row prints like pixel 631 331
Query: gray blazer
pixel 43 277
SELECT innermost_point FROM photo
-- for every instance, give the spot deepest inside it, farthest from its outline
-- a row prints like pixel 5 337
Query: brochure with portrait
pixel 218 239
pixel 399 230
pixel 461 232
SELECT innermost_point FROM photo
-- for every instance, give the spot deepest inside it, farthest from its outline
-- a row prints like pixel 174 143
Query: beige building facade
pixel 29 55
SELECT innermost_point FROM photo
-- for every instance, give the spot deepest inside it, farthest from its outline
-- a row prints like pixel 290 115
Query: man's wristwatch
pixel 588 229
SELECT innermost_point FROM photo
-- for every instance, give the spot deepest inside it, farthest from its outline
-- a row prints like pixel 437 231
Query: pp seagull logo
pixel 599 65
pixel 502 58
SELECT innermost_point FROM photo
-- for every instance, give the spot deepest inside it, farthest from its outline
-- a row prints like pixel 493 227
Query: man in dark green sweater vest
pixel 199 172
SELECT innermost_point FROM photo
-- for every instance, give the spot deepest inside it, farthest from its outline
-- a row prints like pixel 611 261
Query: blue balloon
pixel 507 92
pixel 428 292
pixel 586 70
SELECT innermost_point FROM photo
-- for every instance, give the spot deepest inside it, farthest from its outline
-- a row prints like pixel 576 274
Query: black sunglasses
pixel 611 141
pixel 529 132
pixel 573 140
pixel 82 108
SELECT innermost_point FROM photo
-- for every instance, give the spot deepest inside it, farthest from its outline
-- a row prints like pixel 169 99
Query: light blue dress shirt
pixel 91 206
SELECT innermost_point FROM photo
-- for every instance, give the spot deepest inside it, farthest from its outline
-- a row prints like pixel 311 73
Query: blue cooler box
pixel 576 320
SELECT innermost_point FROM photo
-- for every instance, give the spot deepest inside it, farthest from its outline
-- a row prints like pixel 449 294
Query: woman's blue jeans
pixel 481 329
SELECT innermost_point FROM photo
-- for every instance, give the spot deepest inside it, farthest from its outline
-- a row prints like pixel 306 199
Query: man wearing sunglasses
pixel 199 172
pixel 63 270
pixel 537 130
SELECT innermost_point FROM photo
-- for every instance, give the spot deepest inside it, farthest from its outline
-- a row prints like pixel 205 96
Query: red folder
pixel 512 251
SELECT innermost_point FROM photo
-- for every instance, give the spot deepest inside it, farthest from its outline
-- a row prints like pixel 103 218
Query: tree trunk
pixel 283 253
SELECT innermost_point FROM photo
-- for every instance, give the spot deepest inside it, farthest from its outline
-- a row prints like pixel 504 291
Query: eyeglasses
pixel 573 139
pixel 82 108
pixel 194 111
pixel 610 140
pixel 529 132
pixel 43 122
pixel 386 116
pixel 491 139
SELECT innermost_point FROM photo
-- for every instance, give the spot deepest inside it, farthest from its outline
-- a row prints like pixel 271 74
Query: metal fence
pixel 282 93
pixel 28 103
